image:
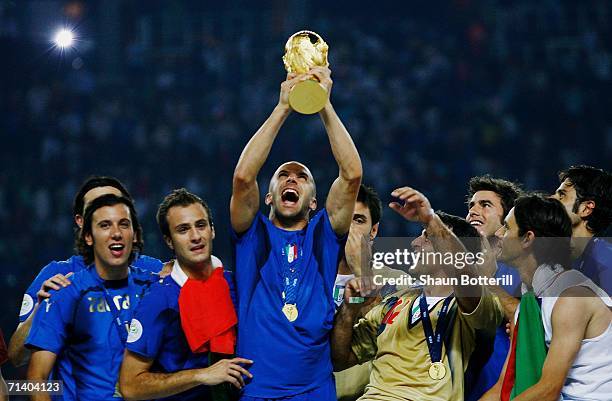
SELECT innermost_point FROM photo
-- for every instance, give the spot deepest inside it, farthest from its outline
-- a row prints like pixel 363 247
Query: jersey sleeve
pixel 488 315
pixel 250 250
pixel 365 334
pixel 52 321
pixel 30 297
pixel 150 320
pixel 328 246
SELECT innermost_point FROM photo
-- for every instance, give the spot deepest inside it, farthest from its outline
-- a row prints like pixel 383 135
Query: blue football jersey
pixel 156 333
pixel 86 323
pixel 290 357
pixel 596 263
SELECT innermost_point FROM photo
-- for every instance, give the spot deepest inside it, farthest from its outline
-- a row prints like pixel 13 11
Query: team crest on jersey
pixel 415 312
pixel 26 305
pixel 135 331
pixel 291 252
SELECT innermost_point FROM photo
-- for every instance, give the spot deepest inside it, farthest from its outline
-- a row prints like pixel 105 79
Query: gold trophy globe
pixel 304 50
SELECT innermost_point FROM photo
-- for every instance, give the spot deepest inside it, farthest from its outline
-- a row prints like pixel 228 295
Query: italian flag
pixel 528 349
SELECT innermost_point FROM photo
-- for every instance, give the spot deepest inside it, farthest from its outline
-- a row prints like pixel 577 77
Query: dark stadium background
pixel 164 94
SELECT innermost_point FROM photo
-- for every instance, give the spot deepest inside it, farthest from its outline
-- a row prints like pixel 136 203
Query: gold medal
pixel 290 311
pixel 437 371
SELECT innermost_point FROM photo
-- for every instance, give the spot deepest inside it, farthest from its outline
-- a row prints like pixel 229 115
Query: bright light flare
pixel 63 38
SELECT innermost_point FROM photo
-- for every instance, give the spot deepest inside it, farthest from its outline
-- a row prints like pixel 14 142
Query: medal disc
pixel 437 371
pixel 290 311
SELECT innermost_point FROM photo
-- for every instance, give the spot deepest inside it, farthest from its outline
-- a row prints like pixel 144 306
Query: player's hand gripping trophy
pixel 303 51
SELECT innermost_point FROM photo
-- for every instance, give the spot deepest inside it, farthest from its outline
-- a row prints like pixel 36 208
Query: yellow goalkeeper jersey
pixel 392 335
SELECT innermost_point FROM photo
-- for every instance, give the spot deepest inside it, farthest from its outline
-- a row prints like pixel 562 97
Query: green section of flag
pixel 530 346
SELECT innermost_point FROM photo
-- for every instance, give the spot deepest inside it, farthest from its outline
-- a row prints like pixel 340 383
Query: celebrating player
pixel 286 263
pixel 410 360
pixel 560 346
pixel 158 360
pixel 87 322
pixel 489 201
pixel 56 275
pixel 586 194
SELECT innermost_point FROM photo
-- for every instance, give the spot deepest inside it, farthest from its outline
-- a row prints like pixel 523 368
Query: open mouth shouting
pixel 290 197
pixel 117 250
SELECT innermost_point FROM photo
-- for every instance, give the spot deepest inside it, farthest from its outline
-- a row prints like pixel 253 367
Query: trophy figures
pixel 304 50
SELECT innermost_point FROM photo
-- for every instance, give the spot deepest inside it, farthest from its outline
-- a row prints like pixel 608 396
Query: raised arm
pixel 137 382
pixel 343 356
pixel 245 191
pixel 417 208
pixel 341 198
pixel 39 369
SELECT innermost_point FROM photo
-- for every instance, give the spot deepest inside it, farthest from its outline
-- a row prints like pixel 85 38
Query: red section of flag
pixel 510 376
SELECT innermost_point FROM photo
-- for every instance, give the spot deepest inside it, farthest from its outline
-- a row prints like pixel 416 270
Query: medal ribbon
pixel 121 325
pixel 291 273
pixel 434 340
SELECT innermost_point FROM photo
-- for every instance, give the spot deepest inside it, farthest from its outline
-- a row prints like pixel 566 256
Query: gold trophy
pixel 304 50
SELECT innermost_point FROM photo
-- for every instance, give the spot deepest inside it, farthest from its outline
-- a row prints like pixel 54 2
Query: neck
pixel 526 266
pixel 198 271
pixel 294 224
pixel 111 272
pixel 580 238
pixel 438 290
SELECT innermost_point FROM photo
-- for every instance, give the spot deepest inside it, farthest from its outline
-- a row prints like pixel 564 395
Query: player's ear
pixel 586 208
pixel 78 219
pixel 168 242
pixel 313 204
pixel 528 239
pixel 212 228
pixel 374 231
pixel 268 199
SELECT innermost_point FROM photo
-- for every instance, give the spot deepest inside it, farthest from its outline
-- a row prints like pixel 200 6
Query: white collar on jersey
pixel 179 276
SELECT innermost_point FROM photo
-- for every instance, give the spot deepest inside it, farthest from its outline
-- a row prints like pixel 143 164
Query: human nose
pixel 194 235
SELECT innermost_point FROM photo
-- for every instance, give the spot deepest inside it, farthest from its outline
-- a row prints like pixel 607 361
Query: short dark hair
pixel 96 181
pixel 178 197
pixel 507 191
pixel 108 200
pixel 369 197
pixel 549 221
pixel 592 184
pixel 467 234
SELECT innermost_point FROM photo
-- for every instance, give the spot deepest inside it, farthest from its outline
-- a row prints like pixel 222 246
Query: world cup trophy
pixel 304 50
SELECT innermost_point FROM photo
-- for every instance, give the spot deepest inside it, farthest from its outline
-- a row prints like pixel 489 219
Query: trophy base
pixel 308 97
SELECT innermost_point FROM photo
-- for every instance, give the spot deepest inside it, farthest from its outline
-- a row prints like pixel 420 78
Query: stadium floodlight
pixel 63 38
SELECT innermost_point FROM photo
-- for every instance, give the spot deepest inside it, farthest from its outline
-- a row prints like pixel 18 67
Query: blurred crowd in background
pixel 166 94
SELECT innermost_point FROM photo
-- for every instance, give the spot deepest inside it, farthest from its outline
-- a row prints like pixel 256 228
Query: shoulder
pixel 601 250
pixel 575 305
pixel 159 294
pixel 148 263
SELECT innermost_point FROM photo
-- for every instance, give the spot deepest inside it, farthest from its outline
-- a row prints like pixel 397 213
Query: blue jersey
pixel 488 360
pixel 156 333
pixel 72 265
pixel 289 357
pixel 596 263
pixel 86 323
